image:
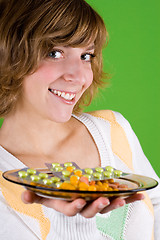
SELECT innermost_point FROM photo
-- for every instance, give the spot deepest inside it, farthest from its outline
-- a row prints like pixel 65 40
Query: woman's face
pixel 60 80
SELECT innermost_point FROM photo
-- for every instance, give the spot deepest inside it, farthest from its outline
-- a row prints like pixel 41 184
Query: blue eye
pixel 56 54
pixel 87 57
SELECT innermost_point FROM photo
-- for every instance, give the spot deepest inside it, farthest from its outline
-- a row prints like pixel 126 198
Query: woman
pixel 51 65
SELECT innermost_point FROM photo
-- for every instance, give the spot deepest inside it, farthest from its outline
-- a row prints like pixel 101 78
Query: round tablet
pixel 109 169
pixel 88 171
pixel 117 173
pixel 55 164
pixel 58 184
pixel 47 181
pixel 66 173
pixel 31 171
pixel 99 169
pixel 43 175
pixel 78 172
pixel 35 178
pixel 55 179
pixel 87 176
pixel 58 168
pixel 23 174
pixel 68 164
pixel 107 174
pixel 97 175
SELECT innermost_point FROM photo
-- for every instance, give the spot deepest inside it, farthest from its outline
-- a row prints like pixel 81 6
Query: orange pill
pixel 92 182
pixel 83 186
pixel 74 179
pixel 92 188
pixel 99 183
pixel 70 169
pixel 78 173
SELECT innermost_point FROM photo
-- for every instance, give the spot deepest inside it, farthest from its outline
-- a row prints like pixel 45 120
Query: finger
pixel 114 204
pixel 135 197
pixel 65 207
pixel 119 202
pixel 29 197
pixel 91 209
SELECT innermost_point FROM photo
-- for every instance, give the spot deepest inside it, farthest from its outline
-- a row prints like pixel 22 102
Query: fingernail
pixel 79 206
pixel 101 205
pixel 121 204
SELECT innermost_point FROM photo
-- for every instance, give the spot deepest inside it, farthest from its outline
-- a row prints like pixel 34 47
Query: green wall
pixel 133 58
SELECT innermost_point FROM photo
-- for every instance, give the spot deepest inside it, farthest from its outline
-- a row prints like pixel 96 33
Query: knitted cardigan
pixel 119 147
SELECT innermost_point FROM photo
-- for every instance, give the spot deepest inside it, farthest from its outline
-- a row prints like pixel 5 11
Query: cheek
pixel 44 74
pixel 89 78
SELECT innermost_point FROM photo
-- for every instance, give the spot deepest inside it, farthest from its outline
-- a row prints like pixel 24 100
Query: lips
pixel 65 95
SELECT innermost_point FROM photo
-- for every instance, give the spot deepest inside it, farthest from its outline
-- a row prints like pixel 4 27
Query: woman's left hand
pixel 86 209
pixel 105 205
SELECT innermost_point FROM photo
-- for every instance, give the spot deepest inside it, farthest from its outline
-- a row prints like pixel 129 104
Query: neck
pixel 19 130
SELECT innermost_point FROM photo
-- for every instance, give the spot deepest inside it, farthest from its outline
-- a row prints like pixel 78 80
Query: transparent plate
pixel 135 183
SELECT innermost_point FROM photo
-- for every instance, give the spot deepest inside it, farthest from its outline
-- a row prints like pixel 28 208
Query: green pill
pixel 43 175
pixel 35 178
pixel 88 171
pixel 87 176
pixel 97 175
pixel 47 181
pixel 117 173
pixel 109 169
pixel 74 168
pixel 66 173
pixel 58 184
pixel 55 164
pixel 107 174
pixel 31 171
pixel 55 179
pixel 68 164
pixel 22 174
pixel 58 168
pixel 99 169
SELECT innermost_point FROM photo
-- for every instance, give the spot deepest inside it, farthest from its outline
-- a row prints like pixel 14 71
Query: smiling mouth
pixel 65 95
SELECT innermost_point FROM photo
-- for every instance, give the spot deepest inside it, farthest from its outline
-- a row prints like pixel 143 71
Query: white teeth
pixel 72 96
pixel 64 95
pixel 67 96
pixel 59 93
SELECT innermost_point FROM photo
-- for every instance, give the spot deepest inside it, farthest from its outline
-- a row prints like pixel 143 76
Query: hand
pixel 87 210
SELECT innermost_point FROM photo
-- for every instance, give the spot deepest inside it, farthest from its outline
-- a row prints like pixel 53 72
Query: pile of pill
pixel 31 176
pixel 83 184
pixel 69 176
pixel 66 170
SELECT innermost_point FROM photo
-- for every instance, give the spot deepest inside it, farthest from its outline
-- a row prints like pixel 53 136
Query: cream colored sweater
pixel 119 147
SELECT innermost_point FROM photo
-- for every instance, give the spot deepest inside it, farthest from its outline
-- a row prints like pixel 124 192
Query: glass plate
pixel 136 183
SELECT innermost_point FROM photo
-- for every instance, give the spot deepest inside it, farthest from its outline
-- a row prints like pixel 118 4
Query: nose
pixel 74 71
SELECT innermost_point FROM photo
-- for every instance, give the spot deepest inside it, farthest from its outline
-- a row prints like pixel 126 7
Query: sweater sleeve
pixel 142 166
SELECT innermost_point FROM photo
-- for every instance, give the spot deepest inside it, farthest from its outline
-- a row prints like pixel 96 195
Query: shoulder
pixel 111 116
pixel 121 134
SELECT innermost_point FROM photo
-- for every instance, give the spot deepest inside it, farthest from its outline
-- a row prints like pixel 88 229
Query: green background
pixel 133 58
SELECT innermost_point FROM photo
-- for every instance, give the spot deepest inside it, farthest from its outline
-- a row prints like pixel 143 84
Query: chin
pixel 61 117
